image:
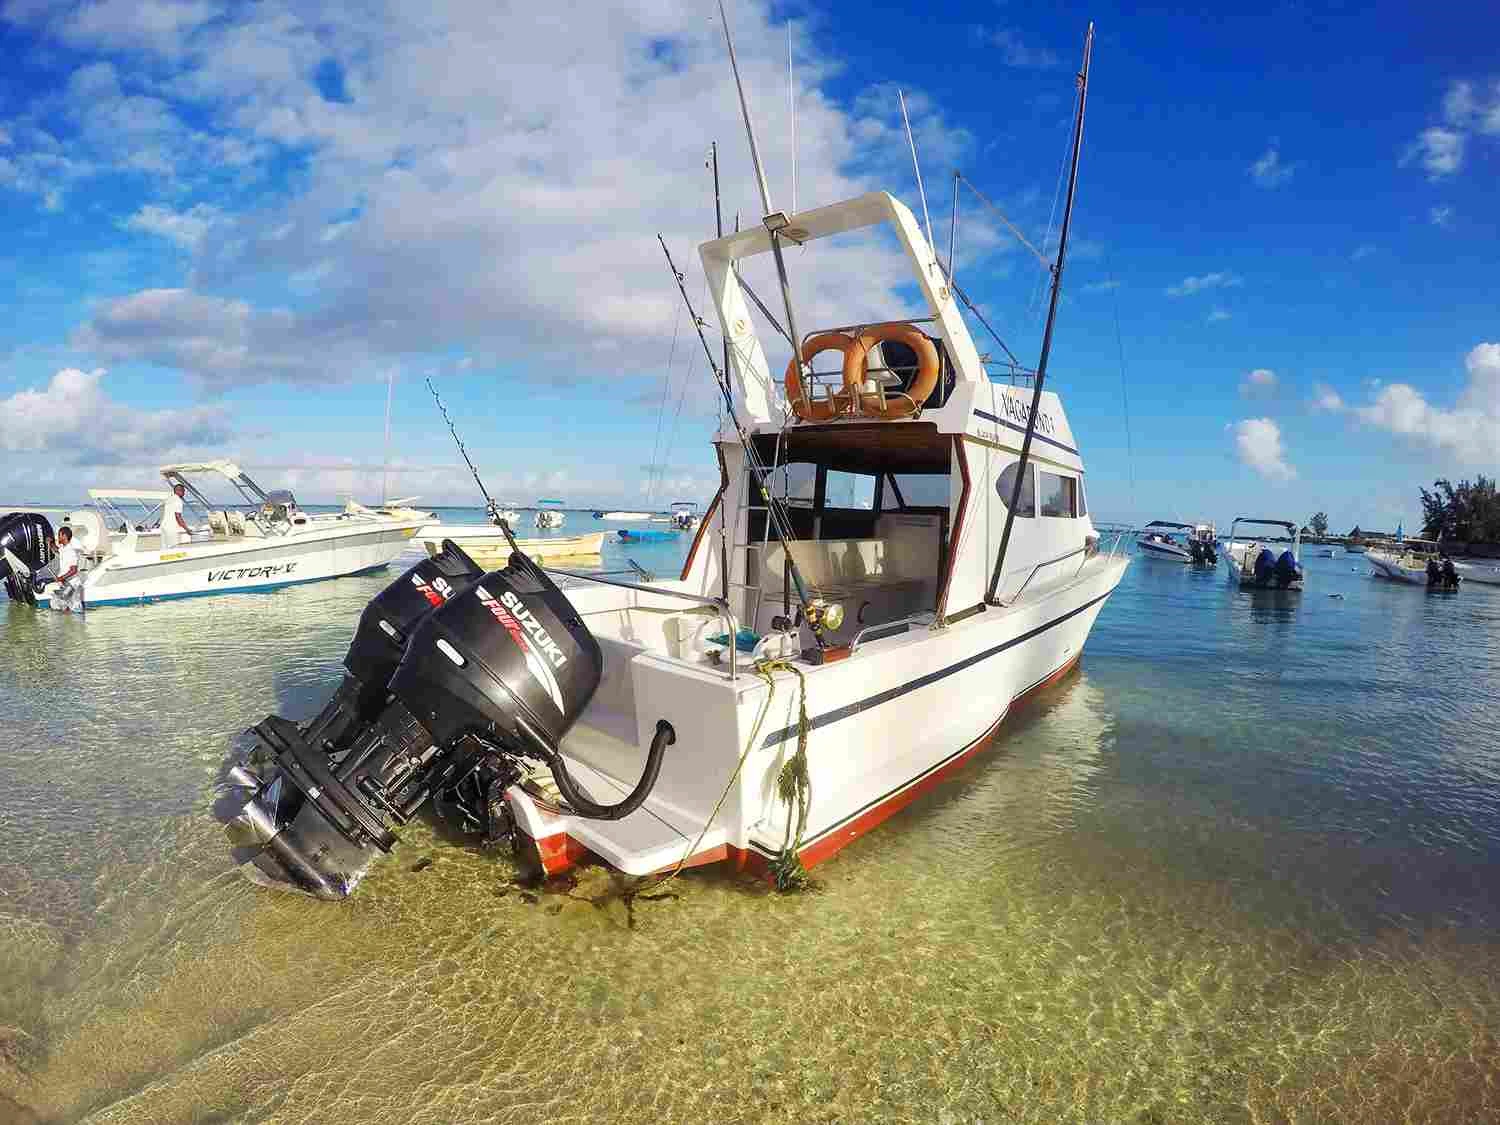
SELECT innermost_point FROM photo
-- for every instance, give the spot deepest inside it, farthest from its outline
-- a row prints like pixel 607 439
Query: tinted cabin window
pixel 849 490
pixel 1007 483
pixel 1083 502
pixel 1059 496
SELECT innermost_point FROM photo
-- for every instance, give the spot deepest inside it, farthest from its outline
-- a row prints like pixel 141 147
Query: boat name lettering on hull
pixel 1018 412
pixel 251 572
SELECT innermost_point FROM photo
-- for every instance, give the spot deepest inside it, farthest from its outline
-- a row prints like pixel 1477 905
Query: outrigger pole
pixel 812 613
pixel 774 221
pixel 1041 367
pixel 490 507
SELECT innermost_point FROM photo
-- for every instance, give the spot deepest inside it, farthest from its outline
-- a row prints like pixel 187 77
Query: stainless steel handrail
pixel 1046 562
pixel 718 603
pixel 925 618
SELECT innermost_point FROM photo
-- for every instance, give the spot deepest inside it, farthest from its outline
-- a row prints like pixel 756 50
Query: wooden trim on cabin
pixel 955 536
pixel 707 516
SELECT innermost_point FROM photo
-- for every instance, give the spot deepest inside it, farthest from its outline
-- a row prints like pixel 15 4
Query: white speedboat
pixel 793 688
pixel 1415 562
pixel 549 515
pixel 265 543
pixel 1485 573
pixel 625 517
pixel 1264 565
pixel 488 546
pixel 684 516
pixel 1199 546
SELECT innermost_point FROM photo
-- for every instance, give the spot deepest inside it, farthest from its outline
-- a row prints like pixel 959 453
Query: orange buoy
pixel 803 404
pixel 901 404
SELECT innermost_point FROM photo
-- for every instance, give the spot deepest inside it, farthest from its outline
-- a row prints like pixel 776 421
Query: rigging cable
pixel 1114 293
pixel 666 386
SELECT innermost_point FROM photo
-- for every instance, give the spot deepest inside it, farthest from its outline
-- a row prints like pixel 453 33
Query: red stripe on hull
pixel 560 852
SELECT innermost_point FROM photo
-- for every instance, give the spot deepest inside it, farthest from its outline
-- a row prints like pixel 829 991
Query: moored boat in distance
pixel 1200 543
pixel 625 517
pixel 813 669
pixel 549 515
pixel 266 542
pixel 1414 562
pixel 684 516
pixel 1485 573
pixel 487 545
pixel 1253 563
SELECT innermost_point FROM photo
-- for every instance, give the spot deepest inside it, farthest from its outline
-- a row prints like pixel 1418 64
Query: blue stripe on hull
pixel 46 603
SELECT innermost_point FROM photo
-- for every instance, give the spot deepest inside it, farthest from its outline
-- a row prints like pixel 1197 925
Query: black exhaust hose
pixel 665 736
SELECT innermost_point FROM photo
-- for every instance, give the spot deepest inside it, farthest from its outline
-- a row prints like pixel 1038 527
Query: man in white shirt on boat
pixel 174 528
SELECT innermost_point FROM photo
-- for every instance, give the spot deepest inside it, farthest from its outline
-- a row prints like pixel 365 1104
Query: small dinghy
pixel 649 535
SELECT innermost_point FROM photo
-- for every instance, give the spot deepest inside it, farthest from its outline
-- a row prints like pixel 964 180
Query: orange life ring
pixel 803 404
pixel 904 403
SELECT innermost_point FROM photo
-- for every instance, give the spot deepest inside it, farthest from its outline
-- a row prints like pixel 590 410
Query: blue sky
pixel 228 225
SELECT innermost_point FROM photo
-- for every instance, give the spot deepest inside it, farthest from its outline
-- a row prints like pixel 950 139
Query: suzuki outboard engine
pixel 1265 567
pixel 493 677
pixel 384 628
pixel 28 538
pixel 1287 570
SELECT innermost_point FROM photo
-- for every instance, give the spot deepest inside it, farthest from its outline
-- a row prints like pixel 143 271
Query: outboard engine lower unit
pixel 494 673
pixel 1288 570
pixel 28 538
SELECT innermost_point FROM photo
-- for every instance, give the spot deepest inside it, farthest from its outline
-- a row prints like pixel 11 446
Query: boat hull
pixel 205 570
pixel 488 546
pixel 1477 572
pixel 1163 551
pixel 1384 566
pixel 884 725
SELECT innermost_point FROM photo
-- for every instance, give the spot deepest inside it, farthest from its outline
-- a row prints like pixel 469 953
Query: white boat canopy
pixel 224 468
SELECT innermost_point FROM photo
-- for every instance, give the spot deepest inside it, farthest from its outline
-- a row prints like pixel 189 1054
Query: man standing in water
pixel 68 596
pixel 174 528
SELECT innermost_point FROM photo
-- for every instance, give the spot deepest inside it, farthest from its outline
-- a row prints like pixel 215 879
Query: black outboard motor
pixel 384 628
pixel 1451 577
pixel 1287 570
pixel 1434 573
pixel 1265 567
pixel 28 536
pixel 496 675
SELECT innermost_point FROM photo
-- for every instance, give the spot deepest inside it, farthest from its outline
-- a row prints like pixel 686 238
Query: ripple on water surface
pixel 1237 868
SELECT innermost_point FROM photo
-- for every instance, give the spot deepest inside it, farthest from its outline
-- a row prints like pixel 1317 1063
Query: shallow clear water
pixel 1241 866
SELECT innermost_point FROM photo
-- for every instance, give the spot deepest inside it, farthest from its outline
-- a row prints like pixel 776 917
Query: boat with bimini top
pixel 264 542
pixel 813 668
pixel 1254 563
pixel 1200 544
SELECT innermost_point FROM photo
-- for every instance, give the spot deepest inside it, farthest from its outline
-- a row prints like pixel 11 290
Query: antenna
pixel 1057 270
pixel 791 93
pixel 918 169
pixel 385 460
pixel 774 221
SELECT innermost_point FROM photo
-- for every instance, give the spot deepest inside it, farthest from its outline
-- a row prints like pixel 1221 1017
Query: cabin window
pixel 1059 496
pixel 1007 483
pixel 850 490
pixel 915 490
pixel 1083 503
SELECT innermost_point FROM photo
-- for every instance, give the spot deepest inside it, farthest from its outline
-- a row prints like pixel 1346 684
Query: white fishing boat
pixel 1199 544
pixel 684 516
pixel 1263 565
pixel 266 542
pixel 813 669
pixel 487 545
pixel 625 517
pixel 549 515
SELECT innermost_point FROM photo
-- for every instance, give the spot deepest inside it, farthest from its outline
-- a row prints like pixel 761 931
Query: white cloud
pixel 1441 216
pixel 1190 285
pixel 1468 108
pixel 75 421
pixel 1258 444
pixel 1217 315
pixel 496 176
pixel 1440 151
pixel 185 228
pixel 1325 398
pixel 1469 432
pixel 1260 383
pixel 1014 50
pixel 1269 171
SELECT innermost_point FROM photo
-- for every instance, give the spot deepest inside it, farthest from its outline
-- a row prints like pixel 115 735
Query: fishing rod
pixel 815 612
pixel 490 506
